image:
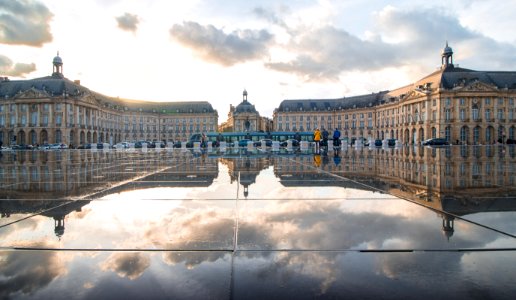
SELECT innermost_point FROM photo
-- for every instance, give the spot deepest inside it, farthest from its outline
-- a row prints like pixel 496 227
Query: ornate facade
pixel 54 109
pixel 245 118
pixel 461 105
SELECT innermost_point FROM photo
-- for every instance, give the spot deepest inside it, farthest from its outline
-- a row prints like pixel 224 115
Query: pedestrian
pixel 336 139
pixel 325 135
pixel 317 139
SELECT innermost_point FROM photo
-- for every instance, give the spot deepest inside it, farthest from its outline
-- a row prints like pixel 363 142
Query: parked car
pixel 378 143
pixel 435 142
pixel 391 142
pixel 84 146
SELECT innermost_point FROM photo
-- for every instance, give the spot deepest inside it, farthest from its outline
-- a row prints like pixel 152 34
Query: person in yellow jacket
pixel 317 139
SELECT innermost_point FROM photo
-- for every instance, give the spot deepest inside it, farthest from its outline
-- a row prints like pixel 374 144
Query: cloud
pixel 128 22
pixel 27 272
pixel 17 70
pixel 400 38
pixel 130 265
pixel 213 45
pixel 24 22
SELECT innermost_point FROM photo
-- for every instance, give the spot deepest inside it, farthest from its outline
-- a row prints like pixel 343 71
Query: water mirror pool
pixel 368 222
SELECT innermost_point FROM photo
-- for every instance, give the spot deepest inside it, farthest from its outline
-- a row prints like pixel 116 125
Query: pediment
pixel 90 99
pixel 415 94
pixel 32 93
pixel 477 86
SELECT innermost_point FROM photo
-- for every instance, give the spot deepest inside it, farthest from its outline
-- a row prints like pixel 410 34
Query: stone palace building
pixel 461 105
pixel 54 109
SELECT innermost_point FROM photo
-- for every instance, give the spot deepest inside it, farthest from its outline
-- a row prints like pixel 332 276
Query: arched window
pixel 464 134
pixel 447 133
pixel 476 135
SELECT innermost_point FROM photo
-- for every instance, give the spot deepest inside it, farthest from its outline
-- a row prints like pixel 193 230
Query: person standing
pixel 325 135
pixel 317 139
pixel 336 139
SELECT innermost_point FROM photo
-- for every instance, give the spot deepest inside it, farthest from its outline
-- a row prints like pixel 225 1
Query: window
pixel 447 133
pixel 448 101
pixel 46 106
pixel 487 101
pixel 462 101
pixel 434 102
pixel 500 114
pixel 488 114
pixel 433 115
pixel 464 134
pixel 447 114
pixel 34 118
pixel 24 120
pixel 474 113
pixel 476 135
pixel 462 114
pixel 500 101
pixel 511 101
pixel 1 107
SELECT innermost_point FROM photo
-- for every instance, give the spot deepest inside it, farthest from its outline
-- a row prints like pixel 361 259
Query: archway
pixel 421 134
pixel 490 135
pixel 88 137
pixel 464 134
pixel 20 138
pixel 407 136
pixel 72 138
pixel 33 137
pixel 95 137
pixel 414 136
pixel 476 135
pixel 59 136
pixel 82 137
pixel 43 137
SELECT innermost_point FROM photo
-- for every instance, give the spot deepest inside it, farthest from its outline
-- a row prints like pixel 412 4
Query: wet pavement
pixel 378 223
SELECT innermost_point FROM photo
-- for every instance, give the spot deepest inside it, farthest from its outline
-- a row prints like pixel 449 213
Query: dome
pixel 245 107
pixel 57 60
pixel 447 49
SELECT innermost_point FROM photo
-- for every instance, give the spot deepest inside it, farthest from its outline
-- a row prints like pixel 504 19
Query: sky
pixel 211 50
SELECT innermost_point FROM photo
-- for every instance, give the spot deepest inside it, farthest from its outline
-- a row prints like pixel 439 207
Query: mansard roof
pixel 245 107
pixel 332 104
pixel 56 86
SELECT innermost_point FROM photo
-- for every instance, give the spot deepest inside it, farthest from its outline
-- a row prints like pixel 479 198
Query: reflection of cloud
pixel 128 22
pixel 130 265
pixel 17 70
pixel 24 22
pixel 212 44
pixel 28 272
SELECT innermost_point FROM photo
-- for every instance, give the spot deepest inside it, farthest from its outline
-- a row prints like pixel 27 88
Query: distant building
pixel 244 117
pixel 54 109
pixel 472 107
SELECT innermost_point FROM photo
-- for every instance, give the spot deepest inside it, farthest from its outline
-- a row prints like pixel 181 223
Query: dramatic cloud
pixel 18 70
pixel 28 272
pixel 326 52
pixel 128 22
pixel 400 38
pixel 24 22
pixel 130 265
pixel 214 45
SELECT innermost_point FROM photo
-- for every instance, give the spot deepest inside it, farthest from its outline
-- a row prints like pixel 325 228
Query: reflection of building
pixel 244 117
pixel 54 109
pixel 245 169
pixel 454 181
pixel 49 208
pixel 472 107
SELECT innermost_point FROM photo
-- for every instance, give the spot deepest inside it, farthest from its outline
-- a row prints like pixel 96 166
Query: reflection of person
pixel 336 158
pixel 317 160
pixel 317 139
pixel 297 137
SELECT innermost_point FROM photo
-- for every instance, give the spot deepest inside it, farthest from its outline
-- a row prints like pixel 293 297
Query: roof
pixel 332 104
pixel 245 107
pixel 56 86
